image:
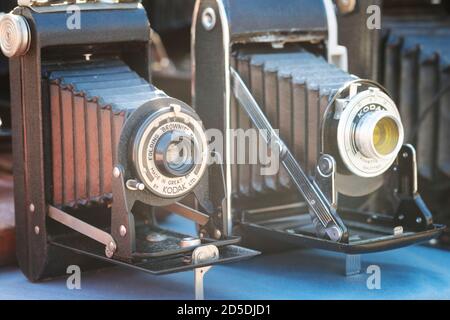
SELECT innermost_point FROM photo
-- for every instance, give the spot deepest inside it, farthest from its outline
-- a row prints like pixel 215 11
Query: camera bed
pixel 368 232
pixel 162 257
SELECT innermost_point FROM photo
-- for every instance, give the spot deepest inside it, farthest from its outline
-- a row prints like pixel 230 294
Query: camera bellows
pixel 89 103
pixel 417 73
pixel 293 89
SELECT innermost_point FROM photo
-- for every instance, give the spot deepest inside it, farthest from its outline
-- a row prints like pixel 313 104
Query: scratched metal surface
pixel 411 273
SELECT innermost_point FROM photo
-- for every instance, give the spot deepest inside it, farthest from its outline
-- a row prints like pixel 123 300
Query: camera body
pixel 97 148
pixel 409 56
pixel 339 137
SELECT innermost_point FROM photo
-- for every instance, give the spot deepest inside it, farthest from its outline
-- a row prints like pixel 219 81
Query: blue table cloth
pixel 417 272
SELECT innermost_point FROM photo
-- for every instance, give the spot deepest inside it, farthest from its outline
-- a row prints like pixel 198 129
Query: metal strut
pixel 313 196
pixel 85 229
pixel 201 255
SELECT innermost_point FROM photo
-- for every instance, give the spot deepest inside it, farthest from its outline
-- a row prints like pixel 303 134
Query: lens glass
pixel 385 136
pixel 180 155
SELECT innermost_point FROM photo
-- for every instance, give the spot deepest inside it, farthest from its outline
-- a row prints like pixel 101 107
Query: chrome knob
pixel 14 35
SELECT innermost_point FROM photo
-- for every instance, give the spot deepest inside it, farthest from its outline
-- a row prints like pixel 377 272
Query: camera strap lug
pixel 323 212
pixel 201 255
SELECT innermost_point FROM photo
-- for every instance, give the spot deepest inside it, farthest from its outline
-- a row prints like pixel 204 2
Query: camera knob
pixel 14 35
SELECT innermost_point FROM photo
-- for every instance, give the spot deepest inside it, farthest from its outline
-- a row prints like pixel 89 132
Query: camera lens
pixel 175 154
pixel 385 136
pixel 170 149
pixel 369 134
pixel 378 135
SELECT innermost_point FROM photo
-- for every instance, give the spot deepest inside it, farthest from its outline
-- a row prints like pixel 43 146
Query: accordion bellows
pixel 293 89
pixel 416 69
pixel 89 103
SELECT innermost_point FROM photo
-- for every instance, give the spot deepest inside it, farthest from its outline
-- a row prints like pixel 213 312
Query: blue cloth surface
pixel 410 273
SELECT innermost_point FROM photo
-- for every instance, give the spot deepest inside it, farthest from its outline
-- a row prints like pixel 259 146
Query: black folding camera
pixel 410 55
pixel 97 148
pixel 347 182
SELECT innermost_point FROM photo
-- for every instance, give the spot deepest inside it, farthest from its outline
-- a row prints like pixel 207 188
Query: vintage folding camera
pixel 347 182
pixel 410 55
pixel 97 147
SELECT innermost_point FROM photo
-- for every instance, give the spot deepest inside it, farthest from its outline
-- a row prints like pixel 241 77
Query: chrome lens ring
pixel 364 114
pixel 164 175
pixel 378 135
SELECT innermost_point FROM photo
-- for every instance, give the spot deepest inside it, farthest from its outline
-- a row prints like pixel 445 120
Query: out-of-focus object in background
pixel 171 22
pixel 7 232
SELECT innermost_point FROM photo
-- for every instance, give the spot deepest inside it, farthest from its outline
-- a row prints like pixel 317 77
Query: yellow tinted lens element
pixel 385 136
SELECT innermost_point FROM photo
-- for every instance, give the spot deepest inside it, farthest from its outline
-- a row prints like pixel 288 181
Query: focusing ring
pixel 355 133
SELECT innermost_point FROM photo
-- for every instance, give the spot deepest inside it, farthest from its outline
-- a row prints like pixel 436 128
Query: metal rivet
pixel 112 246
pixel 334 233
pixel 398 231
pixel 32 207
pixel 405 155
pixel 217 234
pixel 209 19
pixel 123 231
pixel 346 6
pixel 37 230
pixel 116 172
pixel 110 249
pixel 419 220
pixel 325 165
